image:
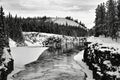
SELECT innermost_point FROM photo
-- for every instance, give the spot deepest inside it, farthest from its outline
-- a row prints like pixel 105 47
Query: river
pixel 55 63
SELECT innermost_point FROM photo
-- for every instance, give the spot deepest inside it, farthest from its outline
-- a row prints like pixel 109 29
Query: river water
pixel 55 63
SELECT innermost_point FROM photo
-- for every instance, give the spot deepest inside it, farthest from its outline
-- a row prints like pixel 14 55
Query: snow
pixel 84 67
pixel 24 55
pixel 63 21
pixel 12 43
pixel 108 42
pixel 36 38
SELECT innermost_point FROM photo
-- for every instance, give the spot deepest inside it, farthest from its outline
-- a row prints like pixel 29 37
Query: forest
pixel 107 21
pixel 16 25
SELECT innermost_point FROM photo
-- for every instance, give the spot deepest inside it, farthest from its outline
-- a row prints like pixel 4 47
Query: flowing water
pixel 55 63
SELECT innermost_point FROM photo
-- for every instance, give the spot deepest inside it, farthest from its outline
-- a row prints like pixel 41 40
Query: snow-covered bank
pixel 108 42
pixel 24 55
pixel 36 38
pixel 78 58
pixel 103 44
pixel 105 41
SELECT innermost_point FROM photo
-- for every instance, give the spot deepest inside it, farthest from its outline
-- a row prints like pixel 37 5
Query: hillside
pixel 63 21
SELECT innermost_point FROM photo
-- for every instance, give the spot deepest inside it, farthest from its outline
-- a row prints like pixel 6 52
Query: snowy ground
pixel 105 41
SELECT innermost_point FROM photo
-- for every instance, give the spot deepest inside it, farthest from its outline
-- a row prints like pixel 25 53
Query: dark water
pixel 55 63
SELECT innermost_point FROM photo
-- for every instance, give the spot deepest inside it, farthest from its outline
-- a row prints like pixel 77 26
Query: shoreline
pixel 78 58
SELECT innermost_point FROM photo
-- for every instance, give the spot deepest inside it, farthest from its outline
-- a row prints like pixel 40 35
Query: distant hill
pixel 64 21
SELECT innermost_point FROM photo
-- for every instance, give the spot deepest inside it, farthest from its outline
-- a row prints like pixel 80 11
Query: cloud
pixel 83 10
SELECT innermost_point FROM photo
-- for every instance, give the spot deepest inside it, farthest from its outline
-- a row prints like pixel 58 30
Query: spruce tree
pixel 111 17
pixel 3 38
pixel 2 29
pixel 118 8
pixel 100 18
pixel 100 14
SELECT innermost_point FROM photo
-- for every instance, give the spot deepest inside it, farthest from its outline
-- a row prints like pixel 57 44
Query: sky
pixel 83 10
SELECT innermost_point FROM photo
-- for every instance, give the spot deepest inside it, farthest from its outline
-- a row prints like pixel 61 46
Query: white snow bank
pixel 12 43
pixel 24 55
pixel 108 42
pixel 84 67
pixel 79 56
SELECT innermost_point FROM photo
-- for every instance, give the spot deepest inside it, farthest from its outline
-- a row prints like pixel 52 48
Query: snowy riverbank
pixel 102 40
pixel 105 41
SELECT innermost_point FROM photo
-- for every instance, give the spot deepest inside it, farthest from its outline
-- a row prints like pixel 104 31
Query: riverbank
pixel 105 41
pixel 108 42
pixel 78 58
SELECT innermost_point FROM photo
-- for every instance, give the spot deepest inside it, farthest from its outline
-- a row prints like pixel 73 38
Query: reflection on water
pixel 65 49
pixel 55 63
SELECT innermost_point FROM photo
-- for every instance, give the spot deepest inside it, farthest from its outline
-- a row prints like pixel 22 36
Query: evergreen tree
pixel 111 17
pixel 2 29
pixel 100 19
pixel 100 14
pixel 118 8
pixel 118 15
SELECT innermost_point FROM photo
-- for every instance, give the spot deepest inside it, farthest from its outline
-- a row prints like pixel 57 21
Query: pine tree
pixel 118 8
pixel 100 18
pixel 2 29
pixel 111 17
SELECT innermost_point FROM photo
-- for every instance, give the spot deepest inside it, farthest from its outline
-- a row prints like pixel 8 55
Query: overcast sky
pixel 83 10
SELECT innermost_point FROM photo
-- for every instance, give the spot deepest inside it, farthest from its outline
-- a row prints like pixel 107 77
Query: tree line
pixel 14 26
pixel 42 25
pixel 107 19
